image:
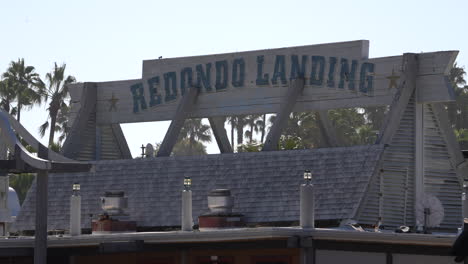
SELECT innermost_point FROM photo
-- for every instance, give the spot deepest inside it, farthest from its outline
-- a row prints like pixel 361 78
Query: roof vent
pixel 113 218
pixel 220 203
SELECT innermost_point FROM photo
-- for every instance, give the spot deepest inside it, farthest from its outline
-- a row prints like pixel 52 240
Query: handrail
pixel 31 140
pixel 8 126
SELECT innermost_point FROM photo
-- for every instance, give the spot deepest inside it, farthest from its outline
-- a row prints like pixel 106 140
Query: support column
pixel 295 88
pixel 400 101
pixel 183 110
pixel 217 125
pixel 40 241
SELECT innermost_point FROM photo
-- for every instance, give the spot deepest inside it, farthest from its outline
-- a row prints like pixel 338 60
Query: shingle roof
pixel 265 185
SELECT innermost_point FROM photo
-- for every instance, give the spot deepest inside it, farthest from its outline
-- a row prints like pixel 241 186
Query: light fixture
pixel 187 182
pixel 308 176
pixel 76 187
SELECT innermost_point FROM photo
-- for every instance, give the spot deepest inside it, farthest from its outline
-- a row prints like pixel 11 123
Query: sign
pixel 337 75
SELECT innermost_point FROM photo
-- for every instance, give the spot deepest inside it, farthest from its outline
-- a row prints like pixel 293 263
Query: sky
pixel 108 40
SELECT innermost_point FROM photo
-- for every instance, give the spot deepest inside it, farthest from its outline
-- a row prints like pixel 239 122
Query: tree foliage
pixel 21 183
pixel 56 91
pixel 25 83
pixel 458 110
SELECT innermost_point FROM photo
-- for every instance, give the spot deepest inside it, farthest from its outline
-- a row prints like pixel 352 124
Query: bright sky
pixel 107 40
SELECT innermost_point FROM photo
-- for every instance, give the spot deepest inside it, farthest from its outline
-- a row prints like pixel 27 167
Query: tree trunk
pixel 240 131
pixel 18 113
pixel 53 120
pixel 251 132
pixel 232 136
pixel 263 129
pixel 191 144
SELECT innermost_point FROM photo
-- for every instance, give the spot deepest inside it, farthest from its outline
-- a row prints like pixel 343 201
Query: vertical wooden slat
pixel 419 159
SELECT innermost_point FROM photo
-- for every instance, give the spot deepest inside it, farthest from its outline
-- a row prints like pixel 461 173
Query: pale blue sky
pixel 107 40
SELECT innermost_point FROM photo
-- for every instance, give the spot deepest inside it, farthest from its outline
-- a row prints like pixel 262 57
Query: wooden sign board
pixel 337 75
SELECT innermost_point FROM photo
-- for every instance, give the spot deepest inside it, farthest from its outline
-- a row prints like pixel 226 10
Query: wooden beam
pixel 456 156
pixel 327 129
pixel 217 125
pixel 406 89
pixel 121 142
pixel 183 110
pixel 295 89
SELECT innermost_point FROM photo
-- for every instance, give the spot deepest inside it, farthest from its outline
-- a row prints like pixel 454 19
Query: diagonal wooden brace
pixel 295 89
pixel 406 89
pixel 217 125
pixel 183 110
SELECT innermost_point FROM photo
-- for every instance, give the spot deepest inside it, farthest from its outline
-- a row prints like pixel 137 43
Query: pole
pixel 187 221
pixel 307 206
pixel 40 243
pixel 42 181
pixel 75 215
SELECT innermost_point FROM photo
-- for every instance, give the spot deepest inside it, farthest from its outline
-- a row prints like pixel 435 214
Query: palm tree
pixel 24 81
pixel 458 110
pixel 241 123
pixel 262 125
pixel 195 132
pixel 62 125
pixel 254 123
pixel 232 120
pixel 57 91
pixel 7 96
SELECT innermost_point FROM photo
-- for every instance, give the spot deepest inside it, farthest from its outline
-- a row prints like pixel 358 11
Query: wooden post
pixel 183 110
pixel 419 159
pixel 295 88
pixel 40 241
pixel 217 125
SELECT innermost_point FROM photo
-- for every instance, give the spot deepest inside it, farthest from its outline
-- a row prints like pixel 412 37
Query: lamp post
pixel 142 150
pixel 187 220
pixel 307 203
pixel 75 210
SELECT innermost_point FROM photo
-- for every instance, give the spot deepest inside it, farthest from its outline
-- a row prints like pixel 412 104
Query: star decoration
pixel 113 103
pixel 393 80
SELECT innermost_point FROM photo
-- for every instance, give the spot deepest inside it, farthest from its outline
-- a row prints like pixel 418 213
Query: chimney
pixel 307 202
pixel 220 203
pixel 75 211
pixel 113 218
